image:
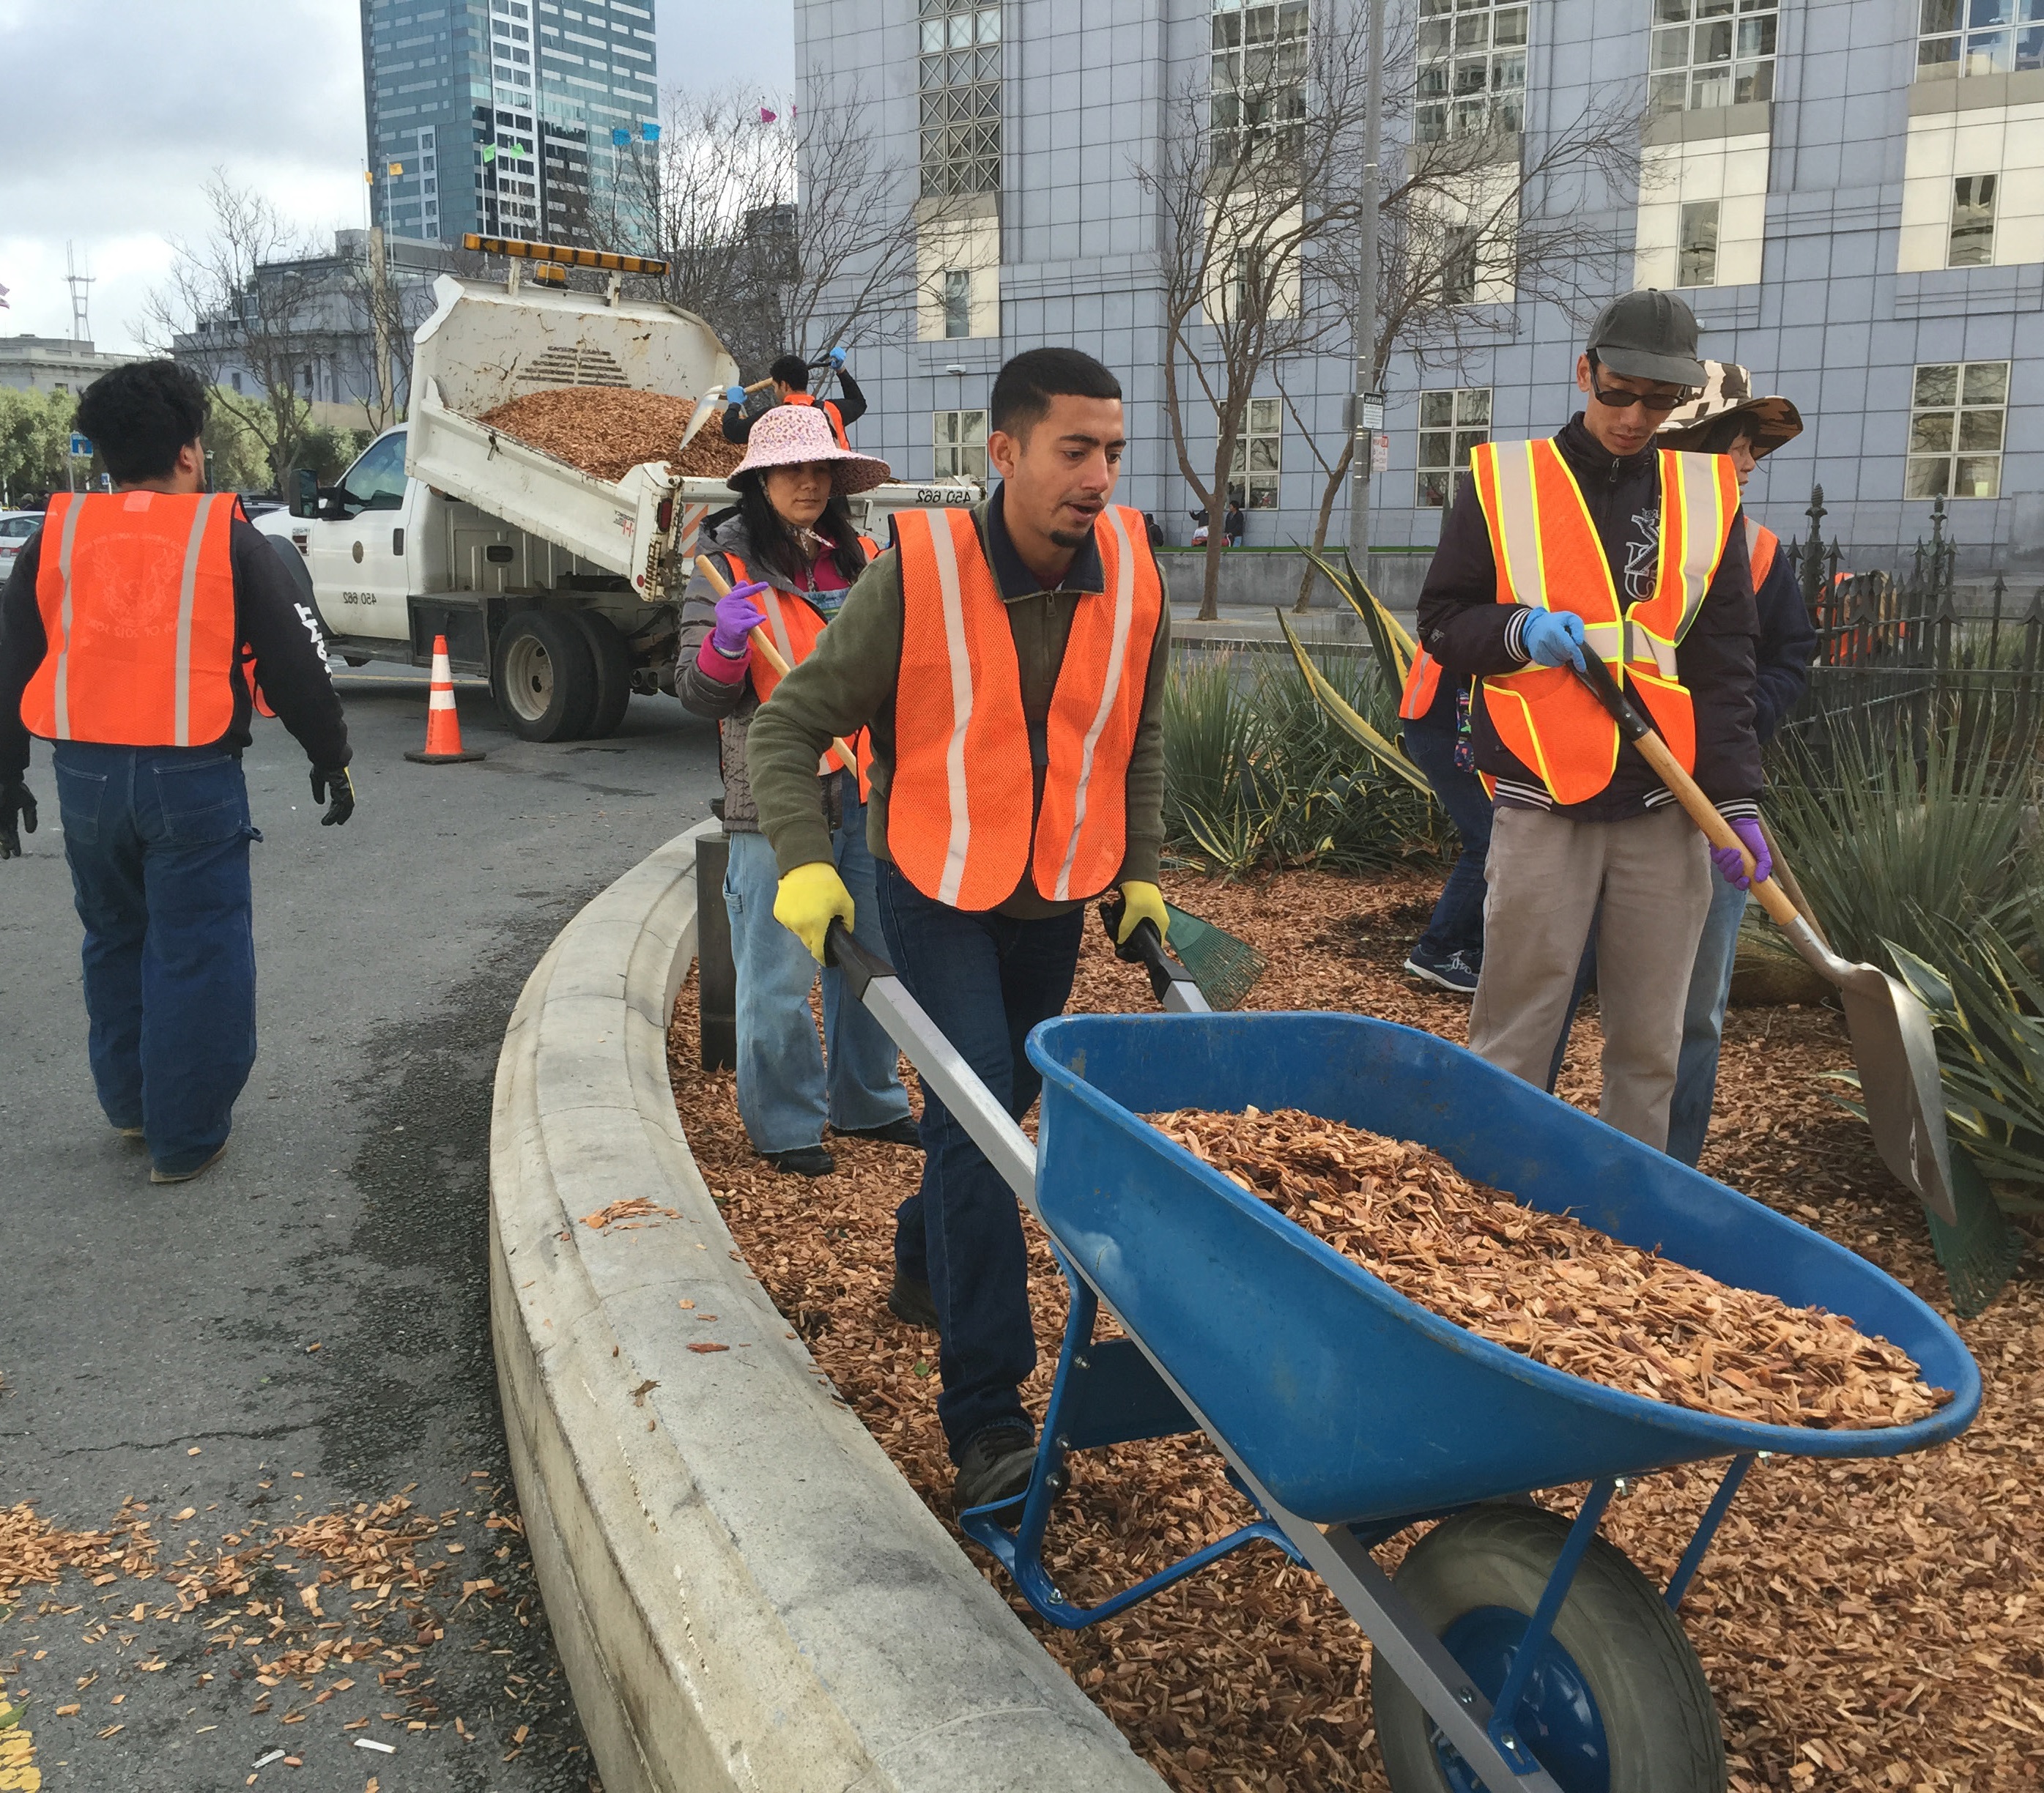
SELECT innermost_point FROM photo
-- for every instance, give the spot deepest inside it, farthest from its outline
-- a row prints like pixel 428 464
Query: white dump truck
pixel 564 589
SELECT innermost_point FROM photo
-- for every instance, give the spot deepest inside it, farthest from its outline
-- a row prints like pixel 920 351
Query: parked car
pixel 16 528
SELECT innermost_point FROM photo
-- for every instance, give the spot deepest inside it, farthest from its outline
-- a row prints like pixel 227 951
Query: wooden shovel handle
pixel 762 645
pixel 1639 732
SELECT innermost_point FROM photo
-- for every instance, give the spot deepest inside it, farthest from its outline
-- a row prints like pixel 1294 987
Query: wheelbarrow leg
pixel 1707 1529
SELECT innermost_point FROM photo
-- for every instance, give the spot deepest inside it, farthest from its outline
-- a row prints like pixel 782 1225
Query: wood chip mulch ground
pixel 1550 1288
pixel 1866 1626
pixel 607 431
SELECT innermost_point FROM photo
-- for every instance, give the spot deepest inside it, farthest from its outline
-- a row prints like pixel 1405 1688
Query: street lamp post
pixel 1366 421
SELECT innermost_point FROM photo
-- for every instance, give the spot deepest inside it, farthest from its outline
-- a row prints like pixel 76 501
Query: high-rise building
pixel 504 116
pixel 1850 196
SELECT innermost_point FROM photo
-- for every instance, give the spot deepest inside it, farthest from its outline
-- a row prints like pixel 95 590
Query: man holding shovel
pixel 1008 662
pixel 1596 543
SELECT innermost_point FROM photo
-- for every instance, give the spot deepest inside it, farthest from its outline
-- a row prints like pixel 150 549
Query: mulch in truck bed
pixel 606 431
pixel 1868 1625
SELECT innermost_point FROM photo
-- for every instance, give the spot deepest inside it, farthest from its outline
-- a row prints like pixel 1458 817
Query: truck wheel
pixel 544 677
pixel 613 672
pixel 1619 1704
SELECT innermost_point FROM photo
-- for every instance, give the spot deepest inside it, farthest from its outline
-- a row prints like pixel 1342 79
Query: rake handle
pixel 762 645
pixel 1700 810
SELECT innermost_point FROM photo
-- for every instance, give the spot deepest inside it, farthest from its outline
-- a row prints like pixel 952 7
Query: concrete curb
pixel 745 1592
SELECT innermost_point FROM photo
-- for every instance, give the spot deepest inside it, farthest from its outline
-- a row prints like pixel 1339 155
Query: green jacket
pixel 848 683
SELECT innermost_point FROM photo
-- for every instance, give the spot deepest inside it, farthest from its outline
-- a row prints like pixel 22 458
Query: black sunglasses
pixel 1651 403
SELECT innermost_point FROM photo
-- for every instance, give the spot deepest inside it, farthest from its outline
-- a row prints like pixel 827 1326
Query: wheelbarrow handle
pixel 1173 984
pixel 1640 732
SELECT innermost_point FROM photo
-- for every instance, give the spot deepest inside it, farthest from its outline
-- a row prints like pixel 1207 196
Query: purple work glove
pixel 737 616
pixel 1730 867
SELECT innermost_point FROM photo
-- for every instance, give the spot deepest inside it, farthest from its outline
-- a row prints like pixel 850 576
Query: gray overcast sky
pixel 115 113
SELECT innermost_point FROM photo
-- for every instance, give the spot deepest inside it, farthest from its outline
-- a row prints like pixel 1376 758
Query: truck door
pixel 356 549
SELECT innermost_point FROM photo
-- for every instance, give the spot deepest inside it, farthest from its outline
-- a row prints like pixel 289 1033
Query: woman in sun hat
pixel 791 554
pixel 1727 417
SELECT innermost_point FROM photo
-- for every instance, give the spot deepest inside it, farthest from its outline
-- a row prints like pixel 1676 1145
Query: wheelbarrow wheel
pixel 1619 1703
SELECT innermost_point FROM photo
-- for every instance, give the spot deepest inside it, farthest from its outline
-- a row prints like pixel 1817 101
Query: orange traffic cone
pixel 444 745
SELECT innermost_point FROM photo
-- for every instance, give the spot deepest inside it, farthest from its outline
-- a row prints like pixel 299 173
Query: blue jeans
pixel 1703 1023
pixel 157 840
pixel 785 1089
pixel 1457 923
pixel 985 981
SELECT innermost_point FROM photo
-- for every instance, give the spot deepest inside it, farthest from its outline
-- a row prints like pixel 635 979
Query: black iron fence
pixel 1898 656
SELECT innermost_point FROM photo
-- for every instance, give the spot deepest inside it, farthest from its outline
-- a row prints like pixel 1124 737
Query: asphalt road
pixel 306 1327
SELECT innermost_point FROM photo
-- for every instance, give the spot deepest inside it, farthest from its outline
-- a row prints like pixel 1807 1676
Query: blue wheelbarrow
pixel 1516 1649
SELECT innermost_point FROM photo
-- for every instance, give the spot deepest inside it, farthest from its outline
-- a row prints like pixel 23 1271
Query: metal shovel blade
pixel 1897 1059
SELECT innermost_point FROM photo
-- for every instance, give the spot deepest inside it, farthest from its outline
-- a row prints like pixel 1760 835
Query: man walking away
pixel 790 378
pixel 1728 420
pixel 1594 543
pixel 1010 662
pixel 133 633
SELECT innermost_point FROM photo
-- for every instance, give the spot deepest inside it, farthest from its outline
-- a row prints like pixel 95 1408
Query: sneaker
pixel 804 1160
pixel 902 1132
pixel 910 1303
pixel 129 1132
pixel 1451 971
pixel 997 1469
pixel 158 1174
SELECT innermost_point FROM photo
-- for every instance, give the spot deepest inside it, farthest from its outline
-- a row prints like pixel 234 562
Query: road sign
pixel 1373 410
pixel 81 447
pixel 1380 453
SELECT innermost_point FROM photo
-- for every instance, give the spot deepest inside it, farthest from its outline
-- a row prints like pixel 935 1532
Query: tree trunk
pixel 1210 590
pixel 1327 496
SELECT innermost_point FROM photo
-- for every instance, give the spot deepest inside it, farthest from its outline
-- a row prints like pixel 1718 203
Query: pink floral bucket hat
pixel 790 435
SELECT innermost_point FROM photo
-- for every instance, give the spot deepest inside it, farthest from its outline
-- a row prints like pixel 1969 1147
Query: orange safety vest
pixel 959 811
pixel 1423 683
pixel 795 628
pixel 1549 556
pixel 1760 544
pixel 136 591
pixel 828 408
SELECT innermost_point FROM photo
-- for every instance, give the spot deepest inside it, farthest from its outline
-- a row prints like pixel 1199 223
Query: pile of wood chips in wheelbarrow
pixel 607 431
pixel 1552 1289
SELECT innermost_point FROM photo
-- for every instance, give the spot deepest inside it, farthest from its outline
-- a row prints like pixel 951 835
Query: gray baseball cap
pixel 1648 335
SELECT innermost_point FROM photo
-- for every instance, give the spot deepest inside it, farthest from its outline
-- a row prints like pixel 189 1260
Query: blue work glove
pixel 737 616
pixel 1731 868
pixel 837 356
pixel 734 395
pixel 1555 638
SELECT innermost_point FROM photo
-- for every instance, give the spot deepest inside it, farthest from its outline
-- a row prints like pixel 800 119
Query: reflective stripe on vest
pixel 959 818
pixel 1423 682
pixel 138 613
pixel 1762 544
pixel 828 408
pixel 795 628
pixel 1550 556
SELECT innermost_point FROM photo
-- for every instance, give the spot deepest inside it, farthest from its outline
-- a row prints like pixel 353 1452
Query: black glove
pixel 18 810
pixel 336 784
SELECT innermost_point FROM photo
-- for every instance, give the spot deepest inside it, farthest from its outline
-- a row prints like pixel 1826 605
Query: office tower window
pixel 1972 222
pixel 958 70
pixel 1253 469
pixel 1452 421
pixel 958 302
pixel 1958 412
pixel 960 437
pixel 1256 95
pixel 1471 67
pixel 1696 252
pixel 1959 37
pixel 1711 52
pixel 1458 264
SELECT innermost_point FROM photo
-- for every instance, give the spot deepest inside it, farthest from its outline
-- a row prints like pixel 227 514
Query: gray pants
pixel 1545 873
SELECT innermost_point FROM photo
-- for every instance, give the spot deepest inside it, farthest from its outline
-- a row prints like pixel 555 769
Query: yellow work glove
pixel 1139 902
pixel 807 898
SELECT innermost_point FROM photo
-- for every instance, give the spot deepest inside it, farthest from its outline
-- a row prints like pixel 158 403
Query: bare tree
pixel 785 233
pixel 1251 192
pixel 235 302
pixel 1481 219
pixel 386 309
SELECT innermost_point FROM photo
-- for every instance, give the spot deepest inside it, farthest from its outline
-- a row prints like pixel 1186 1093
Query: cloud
pixel 116 112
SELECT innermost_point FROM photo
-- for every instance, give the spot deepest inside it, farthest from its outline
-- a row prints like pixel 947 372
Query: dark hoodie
pixel 1469 631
